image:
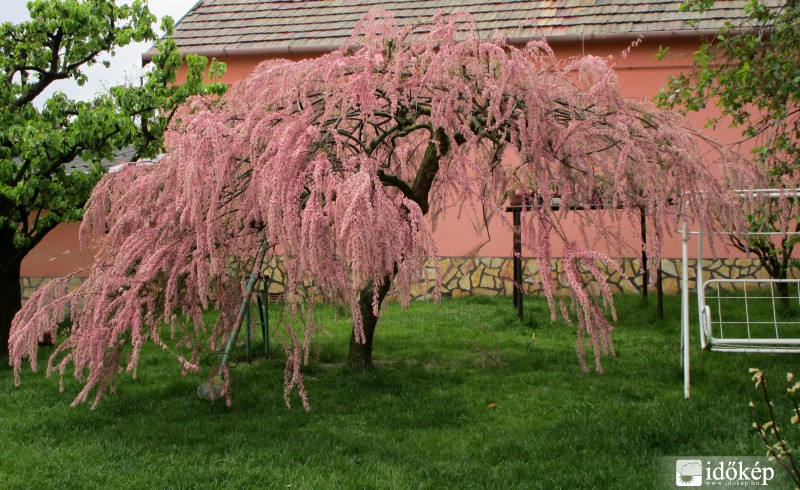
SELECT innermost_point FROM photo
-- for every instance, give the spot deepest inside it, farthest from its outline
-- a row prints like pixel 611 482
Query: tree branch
pixel 428 169
pixel 395 181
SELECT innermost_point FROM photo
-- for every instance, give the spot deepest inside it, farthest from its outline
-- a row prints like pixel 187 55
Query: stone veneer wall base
pixel 492 276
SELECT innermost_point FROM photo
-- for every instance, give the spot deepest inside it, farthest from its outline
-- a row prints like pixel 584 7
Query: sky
pixel 125 65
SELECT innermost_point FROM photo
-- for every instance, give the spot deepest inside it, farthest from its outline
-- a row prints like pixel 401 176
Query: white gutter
pixel 267 52
pixel 616 36
pixel 272 52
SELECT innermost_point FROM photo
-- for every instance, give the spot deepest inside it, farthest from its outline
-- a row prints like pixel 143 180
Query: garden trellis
pixel 527 203
pixel 739 314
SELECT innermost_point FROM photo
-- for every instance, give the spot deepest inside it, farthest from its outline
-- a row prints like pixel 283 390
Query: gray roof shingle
pixel 123 155
pixel 231 27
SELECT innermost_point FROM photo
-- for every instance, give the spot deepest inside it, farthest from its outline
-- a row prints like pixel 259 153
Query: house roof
pixel 238 27
pixel 123 155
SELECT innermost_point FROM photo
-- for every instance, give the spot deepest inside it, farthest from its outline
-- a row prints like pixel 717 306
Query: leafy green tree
pixel 751 72
pixel 38 137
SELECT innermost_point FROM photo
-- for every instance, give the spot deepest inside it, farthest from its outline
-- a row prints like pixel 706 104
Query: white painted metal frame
pixel 721 344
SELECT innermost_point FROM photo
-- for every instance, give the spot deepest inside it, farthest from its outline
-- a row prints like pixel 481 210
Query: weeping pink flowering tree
pixel 344 163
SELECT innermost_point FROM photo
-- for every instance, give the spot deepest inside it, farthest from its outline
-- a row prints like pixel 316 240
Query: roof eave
pixel 617 36
pixel 258 51
pixel 555 40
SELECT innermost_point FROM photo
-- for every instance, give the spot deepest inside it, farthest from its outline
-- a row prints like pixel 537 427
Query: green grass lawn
pixel 464 396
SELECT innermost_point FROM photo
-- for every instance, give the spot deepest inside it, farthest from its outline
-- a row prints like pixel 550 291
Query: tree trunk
pixel 783 291
pixel 360 355
pixel 10 302
pixel 777 269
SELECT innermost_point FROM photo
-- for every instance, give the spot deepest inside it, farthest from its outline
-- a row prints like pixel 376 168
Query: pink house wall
pixel 640 77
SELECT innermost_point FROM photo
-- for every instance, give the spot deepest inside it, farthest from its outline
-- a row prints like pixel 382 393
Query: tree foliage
pixel 345 163
pixel 751 72
pixel 38 137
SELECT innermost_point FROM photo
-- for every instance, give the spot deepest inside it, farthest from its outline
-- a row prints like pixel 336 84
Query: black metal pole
pixel 518 261
pixel 645 274
pixel 263 312
pixel 660 289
